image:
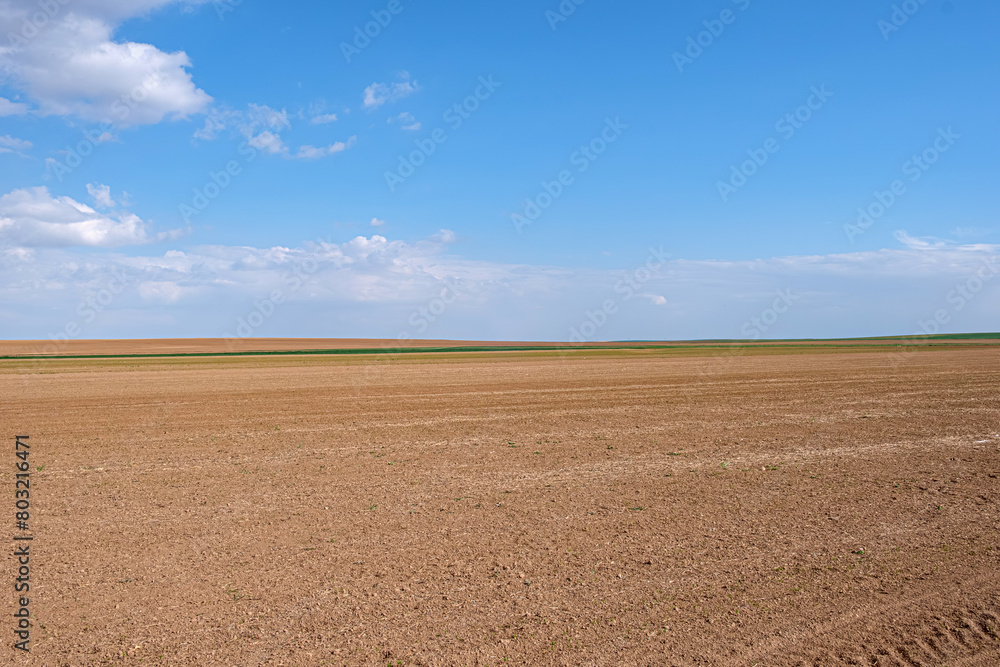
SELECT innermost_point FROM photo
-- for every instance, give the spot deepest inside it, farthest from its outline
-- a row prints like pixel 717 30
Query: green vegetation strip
pixel 885 343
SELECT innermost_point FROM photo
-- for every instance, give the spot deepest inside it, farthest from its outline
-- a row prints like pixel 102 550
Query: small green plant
pixel 234 594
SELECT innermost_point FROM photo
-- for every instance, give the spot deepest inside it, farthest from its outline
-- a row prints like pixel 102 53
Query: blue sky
pixel 723 147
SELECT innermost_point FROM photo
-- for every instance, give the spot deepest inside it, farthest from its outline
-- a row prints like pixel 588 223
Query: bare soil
pixel 477 509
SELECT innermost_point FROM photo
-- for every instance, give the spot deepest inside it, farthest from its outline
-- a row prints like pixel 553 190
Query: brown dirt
pixel 809 509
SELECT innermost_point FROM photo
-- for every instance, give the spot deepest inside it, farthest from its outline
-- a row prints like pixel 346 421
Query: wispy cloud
pixel 261 126
pixel 269 142
pixel 405 120
pixel 9 144
pixel 323 119
pixel 372 285
pixel 101 194
pixel 378 94
pixel 312 152
pixel 251 123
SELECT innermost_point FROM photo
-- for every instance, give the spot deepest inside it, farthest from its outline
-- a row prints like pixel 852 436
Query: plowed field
pixel 624 507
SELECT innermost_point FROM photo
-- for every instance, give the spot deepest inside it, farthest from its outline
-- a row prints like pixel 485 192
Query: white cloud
pixel 70 65
pixel 101 194
pixel 656 299
pixel 268 142
pixel 324 118
pixel 969 232
pixel 406 121
pixel 373 286
pixel 9 144
pixel 261 125
pixel 445 236
pixel 378 94
pixel 216 121
pixel 312 152
pixel 261 115
pixel 377 223
pixel 163 291
pixel 8 108
pixel 34 218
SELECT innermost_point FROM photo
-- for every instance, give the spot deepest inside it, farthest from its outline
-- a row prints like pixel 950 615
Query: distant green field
pixel 697 347
pixel 963 336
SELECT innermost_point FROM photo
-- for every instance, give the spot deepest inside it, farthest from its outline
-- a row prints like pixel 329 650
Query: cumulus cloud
pixel 322 119
pixel 34 218
pixel 378 94
pixel 70 64
pixel 377 223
